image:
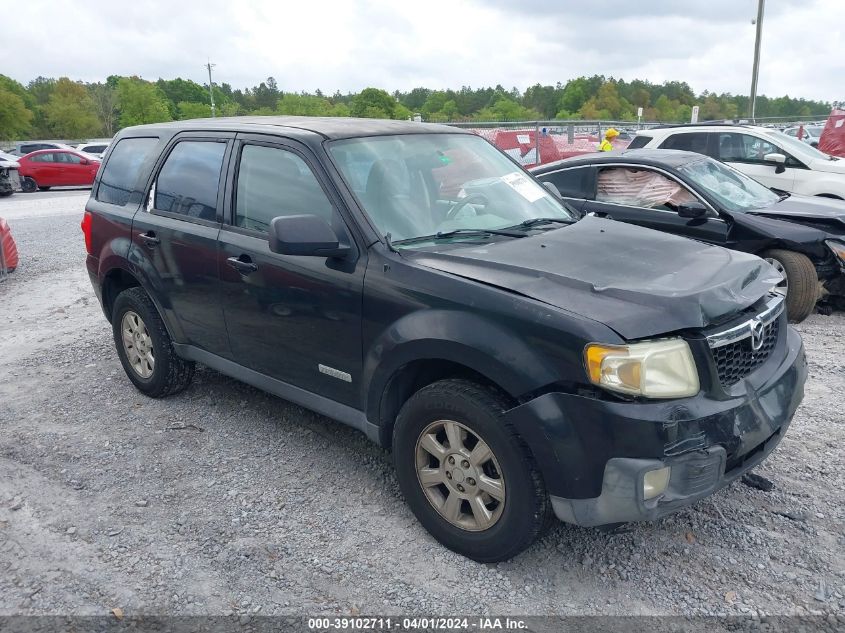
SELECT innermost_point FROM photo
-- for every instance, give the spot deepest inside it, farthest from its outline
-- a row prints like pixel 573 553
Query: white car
pixel 94 148
pixel 771 157
pixel 809 135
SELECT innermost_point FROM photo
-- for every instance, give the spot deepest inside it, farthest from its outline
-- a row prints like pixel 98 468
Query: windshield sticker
pixel 523 139
pixel 528 189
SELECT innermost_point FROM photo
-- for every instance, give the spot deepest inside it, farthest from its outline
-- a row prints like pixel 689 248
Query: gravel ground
pixel 226 500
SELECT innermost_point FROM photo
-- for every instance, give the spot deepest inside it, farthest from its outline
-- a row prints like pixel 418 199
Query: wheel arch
pixel 427 346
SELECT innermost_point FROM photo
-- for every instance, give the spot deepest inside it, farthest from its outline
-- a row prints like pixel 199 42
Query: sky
pixel 348 45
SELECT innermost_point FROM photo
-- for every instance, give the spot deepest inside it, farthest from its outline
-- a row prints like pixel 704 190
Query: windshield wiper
pixel 536 221
pixel 441 235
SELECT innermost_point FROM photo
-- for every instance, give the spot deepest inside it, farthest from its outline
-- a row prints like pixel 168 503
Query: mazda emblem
pixel 758 331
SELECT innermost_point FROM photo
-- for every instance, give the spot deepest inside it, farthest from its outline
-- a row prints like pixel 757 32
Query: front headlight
pixel 838 249
pixel 655 369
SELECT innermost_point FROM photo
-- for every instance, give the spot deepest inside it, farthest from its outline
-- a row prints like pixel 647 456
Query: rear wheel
pixel 800 283
pixel 467 476
pixel 28 185
pixel 144 346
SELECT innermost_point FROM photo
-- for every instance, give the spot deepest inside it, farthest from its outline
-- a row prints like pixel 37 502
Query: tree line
pixel 63 108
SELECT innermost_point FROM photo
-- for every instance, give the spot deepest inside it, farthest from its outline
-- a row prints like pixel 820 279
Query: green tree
pixel 70 111
pixel 141 102
pixel 303 105
pixel 15 118
pixel 191 110
pixel 104 98
pixel 373 103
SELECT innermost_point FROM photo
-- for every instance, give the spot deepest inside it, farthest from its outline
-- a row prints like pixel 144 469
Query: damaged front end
pixel 609 460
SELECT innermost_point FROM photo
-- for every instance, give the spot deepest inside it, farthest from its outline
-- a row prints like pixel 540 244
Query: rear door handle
pixel 149 238
pixel 242 264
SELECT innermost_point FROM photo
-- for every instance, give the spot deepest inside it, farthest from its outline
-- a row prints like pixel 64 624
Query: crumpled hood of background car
pixel 808 208
pixel 637 281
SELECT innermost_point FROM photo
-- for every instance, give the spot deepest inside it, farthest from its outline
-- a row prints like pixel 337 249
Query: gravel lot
pixel 227 500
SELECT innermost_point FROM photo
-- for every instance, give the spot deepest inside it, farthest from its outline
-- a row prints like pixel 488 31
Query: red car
pixel 56 168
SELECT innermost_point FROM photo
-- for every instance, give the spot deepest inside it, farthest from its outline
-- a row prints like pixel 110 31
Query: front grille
pixel 736 360
pixel 734 350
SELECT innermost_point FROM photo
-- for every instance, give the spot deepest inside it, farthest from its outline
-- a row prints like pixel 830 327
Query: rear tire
pixel 144 346
pixel 802 282
pixel 28 185
pixel 484 526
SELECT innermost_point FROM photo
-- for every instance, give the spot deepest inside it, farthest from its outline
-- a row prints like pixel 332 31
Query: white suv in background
pixel 771 157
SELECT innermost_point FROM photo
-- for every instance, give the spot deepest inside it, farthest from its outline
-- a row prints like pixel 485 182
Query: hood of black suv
pixel 637 281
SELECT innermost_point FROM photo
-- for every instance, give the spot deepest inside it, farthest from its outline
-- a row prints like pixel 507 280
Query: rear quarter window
pixel 639 141
pixel 571 183
pixel 121 171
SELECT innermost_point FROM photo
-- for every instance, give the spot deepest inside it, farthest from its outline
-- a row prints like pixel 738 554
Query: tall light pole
pixel 761 5
pixel 209 65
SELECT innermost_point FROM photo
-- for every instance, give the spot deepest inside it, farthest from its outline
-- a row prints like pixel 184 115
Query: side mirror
pixel 692 210
pixel 307 235
pixel 553 189
pixel 779 161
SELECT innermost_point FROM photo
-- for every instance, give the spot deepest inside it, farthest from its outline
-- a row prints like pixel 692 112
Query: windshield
pixel 732 189
pixel 416 185
pixel 799 149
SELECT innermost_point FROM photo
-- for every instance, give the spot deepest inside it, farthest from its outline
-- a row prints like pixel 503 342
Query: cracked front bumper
pixel 593 453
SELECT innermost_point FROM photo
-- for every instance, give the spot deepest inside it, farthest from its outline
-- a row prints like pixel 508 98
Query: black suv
pixel 414 282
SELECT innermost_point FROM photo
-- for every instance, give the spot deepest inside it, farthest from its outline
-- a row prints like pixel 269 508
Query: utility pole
pixel 761 5
pixel 209 65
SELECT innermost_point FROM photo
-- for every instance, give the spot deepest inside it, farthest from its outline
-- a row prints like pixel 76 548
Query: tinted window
pixel 274 182
pixel 744 148
pixel 67 157
pixel 26 149
pixel 121 171
pixel 690 142
pixel 188 182
pixel 640 141
pixel 571 183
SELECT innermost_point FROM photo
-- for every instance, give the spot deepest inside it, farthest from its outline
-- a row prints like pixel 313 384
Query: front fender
pixel 460 337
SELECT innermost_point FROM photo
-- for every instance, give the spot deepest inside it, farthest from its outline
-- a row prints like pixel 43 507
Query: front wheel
pixel 144 346
pixel 467 476
pixel 800 283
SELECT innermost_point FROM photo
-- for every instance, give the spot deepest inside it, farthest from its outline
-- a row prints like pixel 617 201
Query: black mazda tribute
pixel 414 282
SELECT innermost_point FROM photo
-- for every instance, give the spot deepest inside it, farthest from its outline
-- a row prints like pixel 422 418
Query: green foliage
pixel 141 102
pixel 15 118
pixel 51 108
pixel 69 112
pixel 373 103
pixel 191 110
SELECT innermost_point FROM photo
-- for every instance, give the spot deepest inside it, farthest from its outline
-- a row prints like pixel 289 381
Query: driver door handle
pixel 242 264
pixel 149 238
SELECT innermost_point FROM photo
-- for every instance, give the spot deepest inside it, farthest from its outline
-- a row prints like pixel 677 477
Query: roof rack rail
pixel 701 124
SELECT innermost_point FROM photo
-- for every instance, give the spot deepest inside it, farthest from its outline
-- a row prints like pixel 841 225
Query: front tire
pixel 466 475
pixel 801 285
pixel 144 346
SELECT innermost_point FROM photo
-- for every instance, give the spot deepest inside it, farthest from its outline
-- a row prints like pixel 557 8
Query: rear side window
pixel 274 182
pixel 690 142
pixel 639 141
pixel 121 171
pixel 571 183
pixel 188 182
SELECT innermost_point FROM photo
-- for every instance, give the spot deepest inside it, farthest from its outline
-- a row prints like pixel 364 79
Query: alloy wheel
pixel 137 344
pixel 460 475
pixel 783 286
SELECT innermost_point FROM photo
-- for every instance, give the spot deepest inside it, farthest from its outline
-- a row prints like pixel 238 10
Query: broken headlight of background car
pixel 838 249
